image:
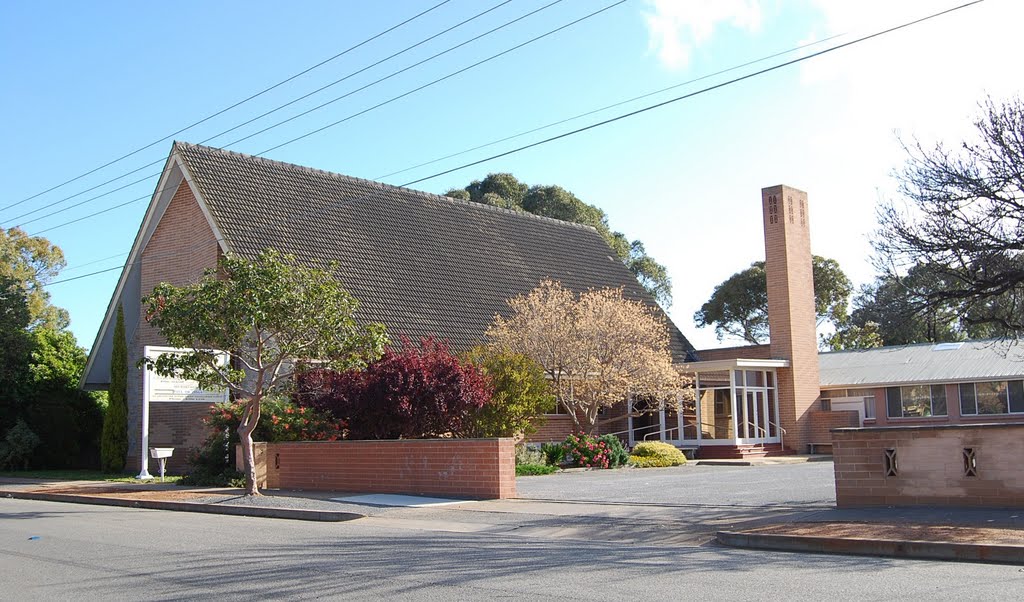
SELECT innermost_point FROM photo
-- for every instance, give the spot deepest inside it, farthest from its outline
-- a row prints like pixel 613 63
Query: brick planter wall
pixel 472 468
pixel 930 468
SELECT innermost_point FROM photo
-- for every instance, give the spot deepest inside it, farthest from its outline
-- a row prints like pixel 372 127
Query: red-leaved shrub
pixel 412 392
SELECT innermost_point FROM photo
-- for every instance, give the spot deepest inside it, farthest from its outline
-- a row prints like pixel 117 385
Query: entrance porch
pixel 733 412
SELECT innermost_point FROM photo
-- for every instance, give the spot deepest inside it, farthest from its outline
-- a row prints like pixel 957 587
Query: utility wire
pixel 612 106
pixel 414 65
pixel 338 122
pixel 274 110
pixel 235 105
pixel 623 116
pixel 450 75
pixel 696 93
pixel 139 261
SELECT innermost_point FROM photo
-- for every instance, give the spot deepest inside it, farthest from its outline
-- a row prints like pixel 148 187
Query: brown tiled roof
pixel 420 264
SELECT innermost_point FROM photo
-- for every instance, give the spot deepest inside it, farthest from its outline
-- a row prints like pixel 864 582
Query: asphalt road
pixel 101 553
pixel 810 483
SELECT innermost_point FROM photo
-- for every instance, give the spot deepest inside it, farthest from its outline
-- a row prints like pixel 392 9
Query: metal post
pixel 144 473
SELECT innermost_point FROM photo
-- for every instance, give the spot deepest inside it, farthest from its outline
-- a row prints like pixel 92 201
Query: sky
pixel 85 83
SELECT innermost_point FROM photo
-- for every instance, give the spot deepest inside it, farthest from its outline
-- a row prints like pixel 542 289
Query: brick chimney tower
pixel 792 320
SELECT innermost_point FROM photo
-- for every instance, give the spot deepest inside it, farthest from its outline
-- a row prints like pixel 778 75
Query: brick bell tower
pixel 791 316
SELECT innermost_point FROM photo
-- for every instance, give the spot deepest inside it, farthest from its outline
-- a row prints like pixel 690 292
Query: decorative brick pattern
pixel 930 466
pixel 472 468
pixel 791 314
pixel 181 247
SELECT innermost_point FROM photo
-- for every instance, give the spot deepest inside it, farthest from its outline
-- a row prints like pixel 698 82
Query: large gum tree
pixel 272 315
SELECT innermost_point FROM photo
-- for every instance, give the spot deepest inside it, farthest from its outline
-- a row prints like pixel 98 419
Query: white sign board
pixel 164 388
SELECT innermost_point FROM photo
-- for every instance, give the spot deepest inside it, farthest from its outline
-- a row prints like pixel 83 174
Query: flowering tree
pixel 270 313
pixel 597 348
pixel 411 392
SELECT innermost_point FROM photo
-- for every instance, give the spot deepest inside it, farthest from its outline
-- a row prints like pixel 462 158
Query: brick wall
pixel 473 468
pixel 791 314
pixel 930 466
pixel 556 427
pixel 181 247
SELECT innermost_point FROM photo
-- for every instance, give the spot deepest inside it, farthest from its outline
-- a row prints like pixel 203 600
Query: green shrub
pixel 114 438
pixel 617 453
pixel 522 394
pixel 656 454
pixel 554 453
pixel 527 470
pixel 528 455
pixel 17 446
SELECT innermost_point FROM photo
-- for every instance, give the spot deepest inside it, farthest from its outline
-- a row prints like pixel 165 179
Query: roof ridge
pixel 382 185
pixel 972 342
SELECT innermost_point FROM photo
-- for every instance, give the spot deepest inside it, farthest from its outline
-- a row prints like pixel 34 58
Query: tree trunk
pixel 250 418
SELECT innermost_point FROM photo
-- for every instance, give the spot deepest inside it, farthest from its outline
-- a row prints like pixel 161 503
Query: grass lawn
pixel 81 475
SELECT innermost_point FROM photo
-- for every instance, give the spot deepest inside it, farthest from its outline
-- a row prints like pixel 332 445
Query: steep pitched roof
pixel 419 263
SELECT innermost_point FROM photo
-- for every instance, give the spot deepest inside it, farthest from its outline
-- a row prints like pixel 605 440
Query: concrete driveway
pixel 781 485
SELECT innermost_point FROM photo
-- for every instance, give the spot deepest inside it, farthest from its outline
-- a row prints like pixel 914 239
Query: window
pixel 869 400
pixel 997 397
pixel 916 401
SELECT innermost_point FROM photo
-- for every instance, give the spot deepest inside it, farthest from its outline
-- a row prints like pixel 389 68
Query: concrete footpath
pixel 929 533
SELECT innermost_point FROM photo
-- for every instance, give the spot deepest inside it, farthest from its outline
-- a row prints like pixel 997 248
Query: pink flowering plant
pixel 586 451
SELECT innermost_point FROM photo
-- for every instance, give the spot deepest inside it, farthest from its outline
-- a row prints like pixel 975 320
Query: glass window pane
pixel 938 400
pixel 1016 395
pixel 991 397
pixel 755 378
pixel 917 400
pixel 894 408
pixel 771 378
pixel 738 376
pixel 869 407
pixel 968 405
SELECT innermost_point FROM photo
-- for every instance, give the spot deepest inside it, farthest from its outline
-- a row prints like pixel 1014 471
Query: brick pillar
pixel 791 315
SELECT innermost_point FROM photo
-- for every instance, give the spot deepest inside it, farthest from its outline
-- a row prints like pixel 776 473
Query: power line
pixel 696 93
pixel 450 75
pixel 604 122
pixel 612 106
pixel 403 70
pixel 126 264
pixel 274 110
pixel 318 107
pixel 340 121
pixel 93 262
pixel 226 109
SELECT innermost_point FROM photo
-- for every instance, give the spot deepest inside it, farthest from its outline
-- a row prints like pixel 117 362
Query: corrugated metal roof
pixel 925 363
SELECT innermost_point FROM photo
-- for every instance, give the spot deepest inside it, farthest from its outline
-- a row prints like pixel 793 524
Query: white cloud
pixel 676 27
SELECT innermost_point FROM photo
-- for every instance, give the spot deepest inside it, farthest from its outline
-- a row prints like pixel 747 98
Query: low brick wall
pixel 473 468
pixel 930 467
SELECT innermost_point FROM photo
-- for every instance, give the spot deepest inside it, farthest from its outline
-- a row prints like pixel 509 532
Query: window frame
pixel 1010 396
pixel 898 396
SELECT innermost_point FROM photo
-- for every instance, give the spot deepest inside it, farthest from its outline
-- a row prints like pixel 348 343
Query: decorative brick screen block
pixel 472 468
pixel 972 465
